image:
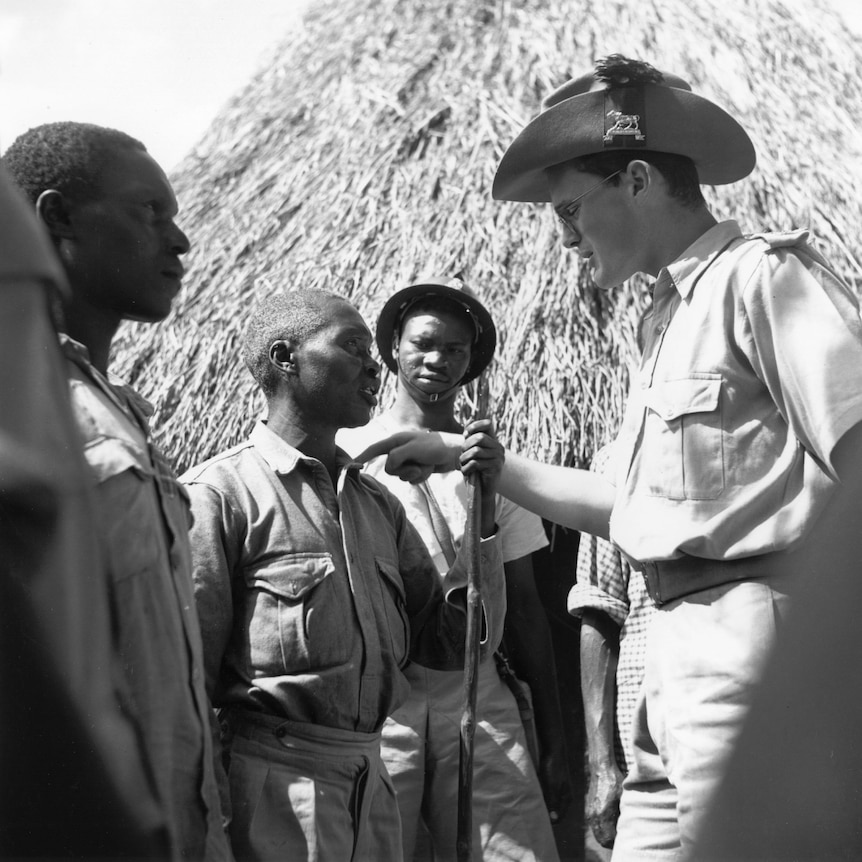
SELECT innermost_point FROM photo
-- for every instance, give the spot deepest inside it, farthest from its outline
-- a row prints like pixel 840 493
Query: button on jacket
pixel 312 599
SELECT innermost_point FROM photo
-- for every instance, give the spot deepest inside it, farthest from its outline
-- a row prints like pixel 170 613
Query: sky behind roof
pixel 160 70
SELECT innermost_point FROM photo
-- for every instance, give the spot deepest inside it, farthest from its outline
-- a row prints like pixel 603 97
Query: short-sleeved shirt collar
pixel 283 458
pixel 687 269
pixel 114 387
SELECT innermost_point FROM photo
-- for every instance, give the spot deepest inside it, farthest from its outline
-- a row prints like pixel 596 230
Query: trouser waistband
pixel 667 580
pixel 298 733
pixel 318 779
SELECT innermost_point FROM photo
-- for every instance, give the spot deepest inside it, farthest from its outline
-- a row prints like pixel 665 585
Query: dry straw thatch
pixel 362 155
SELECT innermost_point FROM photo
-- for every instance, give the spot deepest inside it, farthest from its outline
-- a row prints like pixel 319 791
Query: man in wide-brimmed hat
pixel 436 337
pixel 742 430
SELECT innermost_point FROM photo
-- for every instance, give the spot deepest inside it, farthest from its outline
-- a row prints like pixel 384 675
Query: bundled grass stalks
pixel 361 158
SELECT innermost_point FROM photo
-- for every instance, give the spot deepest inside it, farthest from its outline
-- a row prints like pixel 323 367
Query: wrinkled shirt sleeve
pixel 212 567
pixel 792 299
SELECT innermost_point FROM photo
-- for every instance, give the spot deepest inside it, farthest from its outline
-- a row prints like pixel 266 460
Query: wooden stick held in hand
pixel 471 547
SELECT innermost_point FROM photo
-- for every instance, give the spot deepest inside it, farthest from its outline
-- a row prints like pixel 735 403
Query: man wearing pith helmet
pixel 741 441
pixel 436 337
pixel 738 431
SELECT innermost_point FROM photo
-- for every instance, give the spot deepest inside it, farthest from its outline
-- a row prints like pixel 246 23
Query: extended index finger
pixel 384 446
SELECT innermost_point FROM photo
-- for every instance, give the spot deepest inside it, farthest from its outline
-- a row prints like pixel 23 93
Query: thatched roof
pixel 362 157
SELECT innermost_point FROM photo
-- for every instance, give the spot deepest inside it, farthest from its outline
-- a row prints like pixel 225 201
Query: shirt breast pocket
pixel 296 619
pixel 683 453
pixel 127 507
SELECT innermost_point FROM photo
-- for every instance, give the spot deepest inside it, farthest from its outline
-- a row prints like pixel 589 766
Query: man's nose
pixel 570 236
pixel 179 241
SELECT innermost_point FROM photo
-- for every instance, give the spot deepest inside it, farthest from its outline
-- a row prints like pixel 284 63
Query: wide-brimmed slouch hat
pixel 623 105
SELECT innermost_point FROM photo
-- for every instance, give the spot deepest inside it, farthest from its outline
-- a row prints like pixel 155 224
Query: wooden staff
pixel 471 547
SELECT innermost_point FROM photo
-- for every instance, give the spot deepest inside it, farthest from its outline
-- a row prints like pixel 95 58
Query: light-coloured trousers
pixel 705 657
pixel 421 749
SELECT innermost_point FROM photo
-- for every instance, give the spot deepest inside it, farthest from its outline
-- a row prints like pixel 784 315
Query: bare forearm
pixel 599 657
pixel 573 498
pixel 579 499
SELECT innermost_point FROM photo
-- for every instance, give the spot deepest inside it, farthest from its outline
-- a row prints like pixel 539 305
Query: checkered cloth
pixel 606 582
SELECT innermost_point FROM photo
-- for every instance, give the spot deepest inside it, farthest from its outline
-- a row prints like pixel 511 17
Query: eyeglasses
pixel 568 212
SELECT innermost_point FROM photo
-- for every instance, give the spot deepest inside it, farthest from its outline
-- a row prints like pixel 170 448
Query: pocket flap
pixel 671 399
pixel 390 571
pixel 110 456
pixel 291 576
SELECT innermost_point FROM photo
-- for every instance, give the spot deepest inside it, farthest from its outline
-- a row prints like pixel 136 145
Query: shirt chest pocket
pixel 682 456
pixel 127 507
pixel 299 615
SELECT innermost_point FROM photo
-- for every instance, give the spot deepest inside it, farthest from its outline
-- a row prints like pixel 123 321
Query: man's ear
pixel 53 211
pixel 396 341
pixel 282 356
pixel 642 175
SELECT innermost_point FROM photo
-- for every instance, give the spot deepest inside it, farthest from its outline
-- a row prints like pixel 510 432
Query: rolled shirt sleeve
pixel 602 580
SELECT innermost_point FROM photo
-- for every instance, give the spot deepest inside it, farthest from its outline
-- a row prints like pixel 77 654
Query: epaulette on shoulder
pixel 792 239
pixel 786 239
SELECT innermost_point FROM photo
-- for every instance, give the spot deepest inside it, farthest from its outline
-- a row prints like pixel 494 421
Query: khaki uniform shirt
pixel 62 723
pixel 751 373
pixel 143 515
pixel 313 599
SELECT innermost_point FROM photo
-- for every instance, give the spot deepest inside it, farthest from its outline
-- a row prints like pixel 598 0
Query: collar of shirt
pixel 283 458
pixel 114 387
pixel 687 269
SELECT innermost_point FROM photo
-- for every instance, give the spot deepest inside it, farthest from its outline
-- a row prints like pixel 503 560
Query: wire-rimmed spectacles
pixel 568 212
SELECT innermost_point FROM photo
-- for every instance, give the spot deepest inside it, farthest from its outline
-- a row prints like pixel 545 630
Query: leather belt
pixel 667 580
